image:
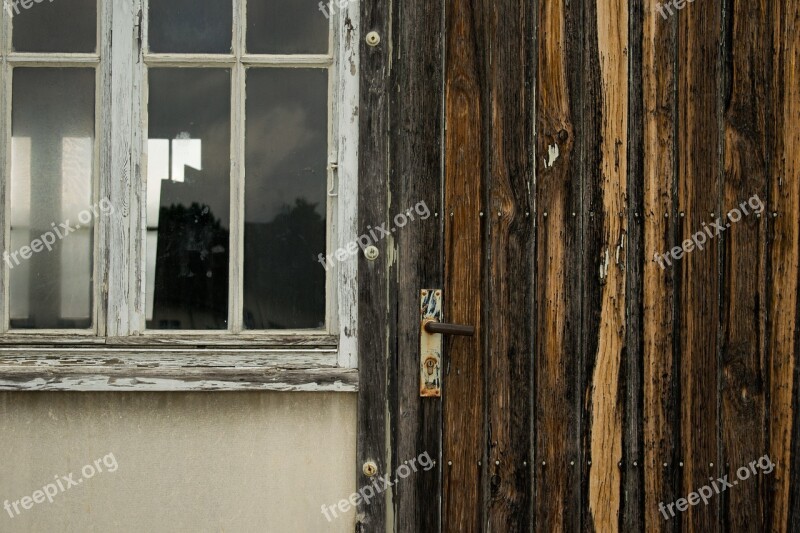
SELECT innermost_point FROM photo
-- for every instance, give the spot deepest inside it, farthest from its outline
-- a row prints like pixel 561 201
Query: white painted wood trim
pixel 173 370
pixel 5 156
pixel 347 91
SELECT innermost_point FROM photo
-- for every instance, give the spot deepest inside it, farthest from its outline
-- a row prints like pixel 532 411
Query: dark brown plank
pixel 784 260
pixel 508 60
pixel 557 383
pixel 463 395
pixel 699 174
pixel 417 115
pixel 605 251
pixel 743 407
pixel 633 441
pixel 660 235
pixel 373 298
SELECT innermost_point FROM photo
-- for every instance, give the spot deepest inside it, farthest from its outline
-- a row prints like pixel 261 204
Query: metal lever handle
pixel 431 326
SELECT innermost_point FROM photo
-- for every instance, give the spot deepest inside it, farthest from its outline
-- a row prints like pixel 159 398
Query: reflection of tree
pixel 284 284
pixel 191 278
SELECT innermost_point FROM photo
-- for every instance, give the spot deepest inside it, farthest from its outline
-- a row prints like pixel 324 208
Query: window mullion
pixel 5 141
pixel 122 241
pixel 236 256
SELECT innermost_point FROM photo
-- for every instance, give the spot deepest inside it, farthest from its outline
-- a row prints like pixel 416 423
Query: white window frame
pixel 249 356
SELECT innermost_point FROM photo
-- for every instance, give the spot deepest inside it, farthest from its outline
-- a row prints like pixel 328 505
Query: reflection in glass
pixel 188 195
pixel 285 198
pixel 190 26
pixel 54 26
pixel 286 27
pixel 52 156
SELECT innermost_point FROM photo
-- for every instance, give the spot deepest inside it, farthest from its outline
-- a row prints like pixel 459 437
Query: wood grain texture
pixel 699 175
pixel 416 154
pixel 659 298
pixel 743 406
pixel 509 179
pixel 557 373
pixel 373 284
pixel 784 260
pixel 633 471
pixel 605 246
pixel 463 410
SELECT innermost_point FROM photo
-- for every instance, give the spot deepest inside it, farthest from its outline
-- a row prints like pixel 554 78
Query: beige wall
pixel 227 461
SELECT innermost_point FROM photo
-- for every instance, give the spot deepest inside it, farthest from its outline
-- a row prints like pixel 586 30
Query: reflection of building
pixel 52 288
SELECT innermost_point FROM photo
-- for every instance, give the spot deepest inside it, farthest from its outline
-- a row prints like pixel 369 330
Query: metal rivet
pixel 499 214
pixel 449 463
pixel 370 468
pixel 481 213
pixel 497 463
pixel 543 463
pixel 371 252
pixel 680 464
pixel 572 463
pixel 711 465
pixel 438 293
pixel 682 214
pixel 373 39
pixel 665 465
pixel 545 214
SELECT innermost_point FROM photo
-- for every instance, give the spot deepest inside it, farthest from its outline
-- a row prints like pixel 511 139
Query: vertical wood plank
pixel 605 246
pixel 463 400
pixel 698 146
pixel 373 294
pixel 557 383
pixel 633 441
pixel 744 262
pixel 784 256
pixel 660 235
pixel 416 155
pixel 509 176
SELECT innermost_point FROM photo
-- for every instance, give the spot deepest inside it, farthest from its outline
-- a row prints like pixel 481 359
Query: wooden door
pixel 570 151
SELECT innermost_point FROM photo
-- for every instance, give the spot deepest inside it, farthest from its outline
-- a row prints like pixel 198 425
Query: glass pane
pixel 285 198
pixel 54 25
pixel 190 26
pixel 287 27
pixel 52 215
pixel 188 195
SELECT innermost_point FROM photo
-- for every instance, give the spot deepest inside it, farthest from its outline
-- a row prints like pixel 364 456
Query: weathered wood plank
pixel 417 120
pixel 699 173
pixel 373 297
pixel 633 442
pixel 557 374
pixel 784 259
pixel 659 299
pixel 509 177
pixel 605 251
pixel 463 413
pixel 178 373
pixel 743 408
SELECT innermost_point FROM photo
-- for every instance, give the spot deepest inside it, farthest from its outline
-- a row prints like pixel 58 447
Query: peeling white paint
pixel 604 265
pixel 552 155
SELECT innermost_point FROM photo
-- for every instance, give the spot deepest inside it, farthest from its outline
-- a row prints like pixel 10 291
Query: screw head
pixel 370 468
pixel 371 252
pixel 373 38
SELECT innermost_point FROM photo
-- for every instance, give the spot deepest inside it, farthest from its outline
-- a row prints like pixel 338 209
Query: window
pixel 172 170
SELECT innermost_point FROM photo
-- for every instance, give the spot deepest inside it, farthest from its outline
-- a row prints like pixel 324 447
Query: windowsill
pixel 172 370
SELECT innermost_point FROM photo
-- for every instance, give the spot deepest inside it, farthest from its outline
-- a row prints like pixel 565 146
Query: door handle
pixel 443 328
pixel 431 329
